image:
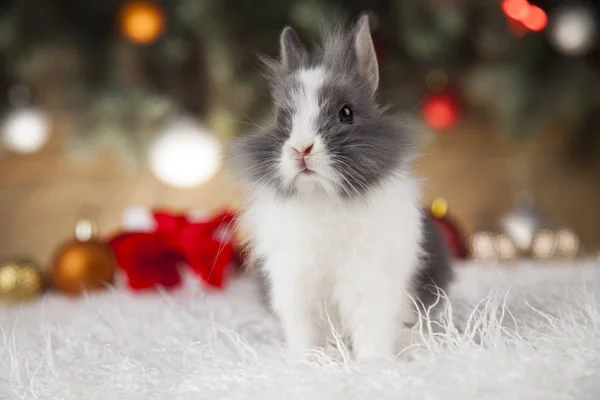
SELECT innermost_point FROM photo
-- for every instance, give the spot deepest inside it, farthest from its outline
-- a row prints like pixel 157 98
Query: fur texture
pixel 520 332
pixel 335 214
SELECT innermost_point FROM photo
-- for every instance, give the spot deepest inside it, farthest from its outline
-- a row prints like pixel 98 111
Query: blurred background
pixel 110 104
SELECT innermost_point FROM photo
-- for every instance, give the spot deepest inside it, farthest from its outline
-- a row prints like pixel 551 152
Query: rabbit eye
pixel 346 115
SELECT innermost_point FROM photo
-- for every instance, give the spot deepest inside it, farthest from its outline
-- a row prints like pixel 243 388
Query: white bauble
pixel 25 130
pixel 522 224
pixel 573 30
pixel 184 154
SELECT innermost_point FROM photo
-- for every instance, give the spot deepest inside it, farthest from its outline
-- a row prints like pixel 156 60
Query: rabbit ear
pixel 293 52
pixel 365 53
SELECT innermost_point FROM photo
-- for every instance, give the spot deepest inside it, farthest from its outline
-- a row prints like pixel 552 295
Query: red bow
pixel 151 259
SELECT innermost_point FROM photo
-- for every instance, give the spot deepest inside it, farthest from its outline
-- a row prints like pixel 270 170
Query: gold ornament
pixel 549 244
pixel 506 250
pixel 567 243
pixel 20 281
pixel 544 244
pixel 142 22
pixel 439 207
pixel 483 247
pixel 84 263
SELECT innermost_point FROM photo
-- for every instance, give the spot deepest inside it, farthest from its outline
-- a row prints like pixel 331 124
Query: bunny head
pixel 330 137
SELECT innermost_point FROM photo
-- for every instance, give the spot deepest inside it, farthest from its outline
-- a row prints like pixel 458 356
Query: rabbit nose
pixel 302 153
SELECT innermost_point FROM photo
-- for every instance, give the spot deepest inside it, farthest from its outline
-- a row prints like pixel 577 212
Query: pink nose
pixel 302 153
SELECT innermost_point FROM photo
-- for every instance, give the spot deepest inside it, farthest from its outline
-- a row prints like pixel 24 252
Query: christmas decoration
pixel 152 258
pixel 567 243
pixel 505 247
pixel 83 263
pixel 548 244
pixel 536 19
pixel 25 130
pixel 440 111
pixel 544 244
pixel 455 241
pixel 524 233
pixel 482 246
pixel 110 92
pixel 530 16
pixel 20 280
pixel 142 22
pixel 522 224
pixel 492 247
pixel 573 29
pixel 185 154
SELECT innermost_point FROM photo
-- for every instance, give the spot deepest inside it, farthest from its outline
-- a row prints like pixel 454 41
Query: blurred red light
pixel 517 9
pixel 440 112
pixel 536 20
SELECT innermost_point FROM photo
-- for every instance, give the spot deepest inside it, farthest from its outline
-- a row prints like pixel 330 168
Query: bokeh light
pixel 439 207
pixel 567 243
pixel 440 111
pixel 505 247
pixel 573 30
pixel 184 154
pixel 530 16
pixel 142 22
pixel 544 244
pixel 482 247
pixel 25 130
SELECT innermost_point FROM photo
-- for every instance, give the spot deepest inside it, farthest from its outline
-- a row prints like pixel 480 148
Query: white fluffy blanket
pixel 526 332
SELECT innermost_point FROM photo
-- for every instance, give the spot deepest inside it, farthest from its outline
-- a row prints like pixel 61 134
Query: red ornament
pixel 516 9
pixel 440 111
pixel 526 15
pixel 151 259
pixel 454 238
pixel 536 20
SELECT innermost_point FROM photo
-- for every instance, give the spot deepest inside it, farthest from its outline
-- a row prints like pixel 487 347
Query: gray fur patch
pixel 436 272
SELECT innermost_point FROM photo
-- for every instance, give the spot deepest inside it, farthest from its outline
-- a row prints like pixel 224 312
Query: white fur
pixel 353 260
pixel 328 257
pixel 307 108
pixel 304 133
pixel 529 330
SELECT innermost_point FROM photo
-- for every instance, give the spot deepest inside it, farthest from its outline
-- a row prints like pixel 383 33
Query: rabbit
pixel 334 211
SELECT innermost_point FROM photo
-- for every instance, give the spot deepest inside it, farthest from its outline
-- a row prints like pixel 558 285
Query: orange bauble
pixel 142 22
pixel 83 264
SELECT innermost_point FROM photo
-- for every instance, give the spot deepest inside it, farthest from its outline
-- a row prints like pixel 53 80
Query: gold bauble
pixel 505 247
pixel 83 263
pixel 544 244
pixel 439 207
pixel 567 243
pixel 142 22
pixel 20 281
pixel 482 246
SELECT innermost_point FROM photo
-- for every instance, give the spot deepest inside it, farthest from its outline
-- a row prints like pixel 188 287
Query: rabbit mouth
pixel 306 172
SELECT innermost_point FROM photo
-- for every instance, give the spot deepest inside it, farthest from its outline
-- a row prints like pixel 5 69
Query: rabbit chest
pixel 324 237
